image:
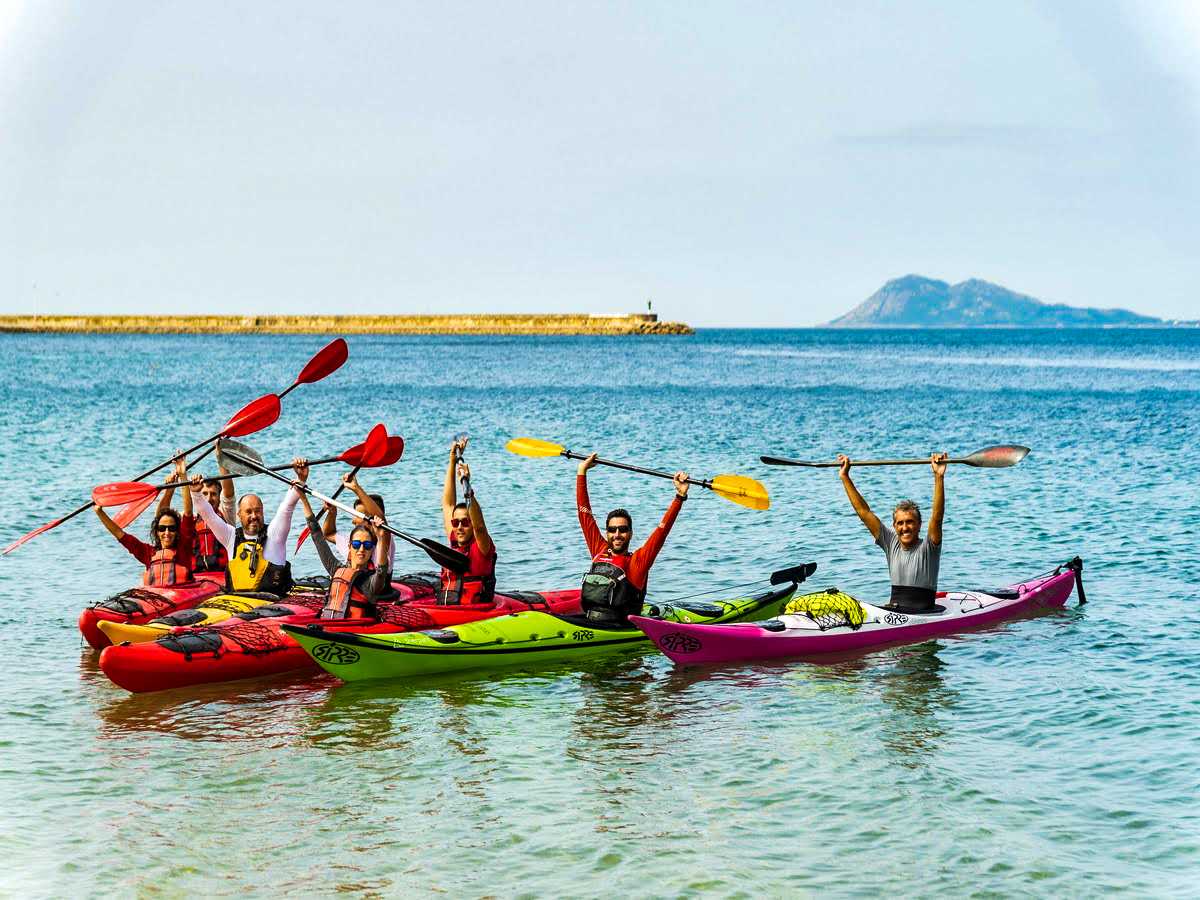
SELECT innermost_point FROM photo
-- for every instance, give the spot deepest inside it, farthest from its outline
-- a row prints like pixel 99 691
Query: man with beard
pixel 257 555
pixel 615 586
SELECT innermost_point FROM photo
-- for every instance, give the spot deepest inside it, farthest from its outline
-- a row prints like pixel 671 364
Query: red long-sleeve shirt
pixel 141 551
pixel 639 562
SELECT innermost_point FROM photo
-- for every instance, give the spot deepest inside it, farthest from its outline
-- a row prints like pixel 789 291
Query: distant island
pixel 917 302
pixel 515 323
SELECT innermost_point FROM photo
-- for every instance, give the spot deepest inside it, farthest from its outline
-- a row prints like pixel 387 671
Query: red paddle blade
pixel 356 455
pixel 253 417
pixel 29 537
pixel 121 492
pixel 130 511
pixel 395 449
pixel 300 540
pixel 375 447
pixel 327 361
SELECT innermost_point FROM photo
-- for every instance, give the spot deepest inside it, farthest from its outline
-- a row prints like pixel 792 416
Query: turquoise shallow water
pixel 1055 755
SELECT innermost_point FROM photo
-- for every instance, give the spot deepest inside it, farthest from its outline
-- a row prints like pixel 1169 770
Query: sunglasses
pixel 363 545
pixel 167 528
pixel 460 523
pixel 618 529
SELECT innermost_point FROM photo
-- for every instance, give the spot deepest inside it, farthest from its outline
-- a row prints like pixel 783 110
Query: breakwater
pixel 513 323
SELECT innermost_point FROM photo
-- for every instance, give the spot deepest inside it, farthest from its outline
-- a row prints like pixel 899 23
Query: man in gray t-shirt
pixel 912 562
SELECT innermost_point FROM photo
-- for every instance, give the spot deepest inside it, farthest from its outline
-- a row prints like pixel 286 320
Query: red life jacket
pixel 477 584
pixel 345 600
pixel 163 570
pixel 207 551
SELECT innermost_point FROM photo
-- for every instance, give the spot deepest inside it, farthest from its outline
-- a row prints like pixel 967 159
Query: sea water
pixel 1056 755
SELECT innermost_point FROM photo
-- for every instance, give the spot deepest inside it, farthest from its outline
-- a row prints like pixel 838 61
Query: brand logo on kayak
pixel 895 619
pixel 583 635
pixel 678 642
pixel 335 654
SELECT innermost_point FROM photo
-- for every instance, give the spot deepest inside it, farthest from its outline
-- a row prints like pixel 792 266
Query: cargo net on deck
pixel 412 618
pixel 829 609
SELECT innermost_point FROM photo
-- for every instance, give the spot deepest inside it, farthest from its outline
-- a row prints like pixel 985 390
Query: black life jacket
pixel 249 570
pixel 607 595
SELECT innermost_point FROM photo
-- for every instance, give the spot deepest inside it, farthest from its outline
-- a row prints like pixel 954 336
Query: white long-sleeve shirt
pixel 278 531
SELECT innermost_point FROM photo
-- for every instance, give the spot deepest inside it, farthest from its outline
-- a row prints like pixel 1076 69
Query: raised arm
pixel 856 499
pixel 583 504
pixel 222 530
pixel 179 473
pixel 113 528
pixel 937 462
pixel 325 553
pixel 482 538
pixel 449 491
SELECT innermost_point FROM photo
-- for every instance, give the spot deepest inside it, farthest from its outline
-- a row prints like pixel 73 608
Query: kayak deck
pixel 798 635
pixel 518 639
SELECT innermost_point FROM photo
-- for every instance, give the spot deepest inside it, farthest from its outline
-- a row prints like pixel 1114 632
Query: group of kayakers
pixel 360 562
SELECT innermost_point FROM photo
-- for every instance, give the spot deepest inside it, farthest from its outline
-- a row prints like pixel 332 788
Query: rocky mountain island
pixel 917 302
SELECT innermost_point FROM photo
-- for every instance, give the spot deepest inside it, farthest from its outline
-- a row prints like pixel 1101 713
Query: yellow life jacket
pixel 247 566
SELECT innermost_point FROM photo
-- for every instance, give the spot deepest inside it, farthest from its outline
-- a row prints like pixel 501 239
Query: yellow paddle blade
pixel 742 490
pixel 527 446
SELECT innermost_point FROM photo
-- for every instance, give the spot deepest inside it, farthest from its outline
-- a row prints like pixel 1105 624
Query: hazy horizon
pixel 770 165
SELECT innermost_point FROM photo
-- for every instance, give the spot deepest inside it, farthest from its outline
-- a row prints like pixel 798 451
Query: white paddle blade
pixel 1000 457
pixel 231 465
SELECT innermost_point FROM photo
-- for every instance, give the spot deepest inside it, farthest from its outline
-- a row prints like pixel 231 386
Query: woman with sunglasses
pixel 467 532
pixel 615 586
pixel 358 583
pixel 168 558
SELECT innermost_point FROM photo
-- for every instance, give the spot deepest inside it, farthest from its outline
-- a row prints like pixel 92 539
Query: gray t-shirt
pixel 917 567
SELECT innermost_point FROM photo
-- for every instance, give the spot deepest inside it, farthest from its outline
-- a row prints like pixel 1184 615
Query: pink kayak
pixel 833 622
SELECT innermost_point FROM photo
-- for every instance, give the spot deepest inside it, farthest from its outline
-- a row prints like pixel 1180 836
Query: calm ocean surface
pixel 1053 756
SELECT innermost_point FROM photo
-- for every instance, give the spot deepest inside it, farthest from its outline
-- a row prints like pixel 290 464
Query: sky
pixel 762 163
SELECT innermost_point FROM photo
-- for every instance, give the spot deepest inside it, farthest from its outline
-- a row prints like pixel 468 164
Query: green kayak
pixel 523 638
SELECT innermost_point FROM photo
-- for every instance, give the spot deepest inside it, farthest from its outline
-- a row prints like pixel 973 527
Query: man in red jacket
pixel 615 586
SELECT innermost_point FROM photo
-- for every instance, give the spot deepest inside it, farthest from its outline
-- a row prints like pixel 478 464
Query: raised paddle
pixel 464 483
pixel 735 488
pixel 999 457
pixel 119 493
pixel 390 454
pixel 253 417
pixel 444 556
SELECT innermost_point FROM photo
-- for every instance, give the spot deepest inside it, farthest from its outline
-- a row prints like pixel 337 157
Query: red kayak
pixel 140 604
pixel 252 644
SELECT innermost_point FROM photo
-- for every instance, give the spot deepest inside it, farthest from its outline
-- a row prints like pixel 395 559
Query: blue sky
pixel 748 164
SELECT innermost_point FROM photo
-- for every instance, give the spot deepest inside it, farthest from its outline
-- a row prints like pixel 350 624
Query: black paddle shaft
pixel 569 454
pixel 441 554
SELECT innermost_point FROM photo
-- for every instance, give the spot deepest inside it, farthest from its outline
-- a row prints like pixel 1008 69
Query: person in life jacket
pixel 615 586
pixel 257 555
pixel 357 583
pixel 466 532
pixel 912 562
pixel 207 553
pixel 168 558
pixel 367 506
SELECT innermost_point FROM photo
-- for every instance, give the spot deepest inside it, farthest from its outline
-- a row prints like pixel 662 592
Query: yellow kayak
pixel 214 609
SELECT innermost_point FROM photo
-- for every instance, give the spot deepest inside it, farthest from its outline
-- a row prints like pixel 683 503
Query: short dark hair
pixel 619 513
pixel 212 483
pixel 461 505
pixel 378 501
